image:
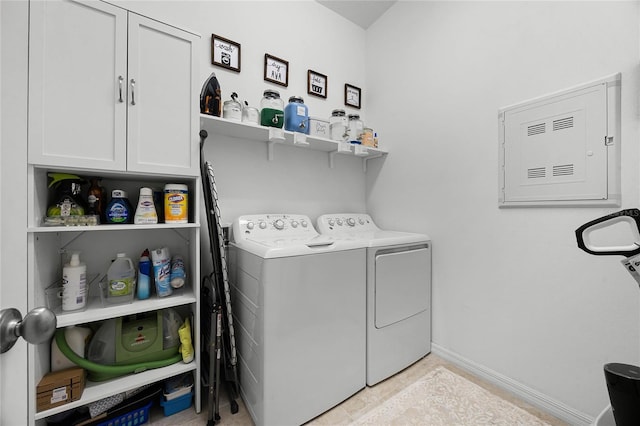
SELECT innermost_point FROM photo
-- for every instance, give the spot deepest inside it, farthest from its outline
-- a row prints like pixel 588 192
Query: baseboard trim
pixel 531 396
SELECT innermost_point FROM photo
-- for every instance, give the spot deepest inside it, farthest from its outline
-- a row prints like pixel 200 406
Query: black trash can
pixel 623 382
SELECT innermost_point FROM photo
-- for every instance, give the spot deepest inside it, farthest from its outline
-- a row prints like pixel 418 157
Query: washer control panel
pixel 345 222
pixel 272 226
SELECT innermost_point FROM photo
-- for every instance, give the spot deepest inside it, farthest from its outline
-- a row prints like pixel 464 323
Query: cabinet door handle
pixel 133 96
pixel 120 80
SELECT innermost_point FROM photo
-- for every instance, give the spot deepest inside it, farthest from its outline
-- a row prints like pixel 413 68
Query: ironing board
pixel 225 350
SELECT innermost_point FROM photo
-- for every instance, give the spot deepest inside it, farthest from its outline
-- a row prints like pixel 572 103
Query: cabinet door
pixel 77 57
pixel 163 105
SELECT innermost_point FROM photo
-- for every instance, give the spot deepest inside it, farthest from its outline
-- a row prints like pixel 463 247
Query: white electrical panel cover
pixel 563 148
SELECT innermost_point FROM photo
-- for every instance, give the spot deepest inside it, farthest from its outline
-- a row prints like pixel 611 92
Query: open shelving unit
pixel 272 136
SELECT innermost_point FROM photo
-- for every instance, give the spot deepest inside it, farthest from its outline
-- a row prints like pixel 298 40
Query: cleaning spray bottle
pixel 144 276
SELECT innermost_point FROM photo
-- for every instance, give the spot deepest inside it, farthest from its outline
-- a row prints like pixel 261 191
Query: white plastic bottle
pixel 122 280
pixel 77 339
pixel 146 210
pixel 74 284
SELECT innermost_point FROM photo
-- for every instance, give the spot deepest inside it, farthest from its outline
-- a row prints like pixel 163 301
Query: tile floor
pixel 353 407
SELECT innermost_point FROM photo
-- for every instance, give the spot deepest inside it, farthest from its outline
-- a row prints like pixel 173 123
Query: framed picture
pixel 352 95
pixel 276 70
pixel 316 84
pixel 225 53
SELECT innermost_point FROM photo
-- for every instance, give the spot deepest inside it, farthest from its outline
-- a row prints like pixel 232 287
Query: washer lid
pixel 269 248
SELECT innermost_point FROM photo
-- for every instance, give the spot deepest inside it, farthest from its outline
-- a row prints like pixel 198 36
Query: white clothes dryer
pixel 398 292
pixel 300 317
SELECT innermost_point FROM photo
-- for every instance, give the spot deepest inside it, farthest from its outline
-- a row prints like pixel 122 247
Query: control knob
pixel 294 223
pixel 250 225
pixel 339 222
pixel 331 222
pixel 262 225
pixel 351 221
pixel 279 224
pixel 303 223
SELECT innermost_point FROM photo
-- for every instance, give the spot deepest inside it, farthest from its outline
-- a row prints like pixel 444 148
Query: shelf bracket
pixel 343 147
pixel 185 239
pixel 275 136
pixel 300 139
pixel 364 161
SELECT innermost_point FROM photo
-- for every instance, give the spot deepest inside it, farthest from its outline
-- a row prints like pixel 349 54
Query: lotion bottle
pixel 74 284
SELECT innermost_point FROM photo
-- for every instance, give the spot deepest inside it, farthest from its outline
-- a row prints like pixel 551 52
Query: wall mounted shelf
pixel 251 132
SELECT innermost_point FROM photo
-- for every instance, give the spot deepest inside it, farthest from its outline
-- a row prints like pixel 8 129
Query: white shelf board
pixel 108 227
pixel 251 132
pixel 95 391
pixel 96 311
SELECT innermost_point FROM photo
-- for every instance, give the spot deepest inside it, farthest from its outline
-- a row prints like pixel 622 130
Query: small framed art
pixel 225 53
pixel 276 70
pixel 352 96
pixel 316 84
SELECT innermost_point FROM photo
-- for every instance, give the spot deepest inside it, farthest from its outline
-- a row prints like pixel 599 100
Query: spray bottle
pixel 144 276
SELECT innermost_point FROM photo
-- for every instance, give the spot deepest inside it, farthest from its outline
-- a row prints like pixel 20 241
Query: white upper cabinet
pixel 111 90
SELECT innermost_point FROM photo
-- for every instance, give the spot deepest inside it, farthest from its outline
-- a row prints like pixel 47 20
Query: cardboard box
pixel 60 387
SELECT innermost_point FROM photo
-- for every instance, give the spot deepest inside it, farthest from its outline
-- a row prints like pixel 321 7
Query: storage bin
pixel 177 404
pixel 136 417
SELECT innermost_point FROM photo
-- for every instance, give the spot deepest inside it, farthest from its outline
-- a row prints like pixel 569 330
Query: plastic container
pixel 178 272
pixel 272 109
pixel 119 209
pixel 162 271
pixel 296 116
pixel 121 280
pixel 77 338
pixel 176 405
pixel 338 125
pixel 146 210
pixel 74 284
pixel 176 198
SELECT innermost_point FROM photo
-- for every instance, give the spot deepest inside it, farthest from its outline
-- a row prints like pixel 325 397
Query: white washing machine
pixel 398 292
pixel 300 317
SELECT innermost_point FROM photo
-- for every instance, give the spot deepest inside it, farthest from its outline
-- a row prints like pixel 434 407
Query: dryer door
pixel 402 284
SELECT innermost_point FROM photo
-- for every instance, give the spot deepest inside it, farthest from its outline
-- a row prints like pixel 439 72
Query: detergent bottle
pixel 121 280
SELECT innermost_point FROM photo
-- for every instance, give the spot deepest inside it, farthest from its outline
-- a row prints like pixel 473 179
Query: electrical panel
pixel 562 149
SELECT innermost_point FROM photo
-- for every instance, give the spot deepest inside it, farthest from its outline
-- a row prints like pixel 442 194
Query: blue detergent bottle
pixel 119 209
pixel 296 116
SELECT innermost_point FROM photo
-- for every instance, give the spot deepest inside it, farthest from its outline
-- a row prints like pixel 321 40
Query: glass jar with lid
pixel 232 109
pixel 296 116
pixel 271 109
pixel 338 125
pixel 356 128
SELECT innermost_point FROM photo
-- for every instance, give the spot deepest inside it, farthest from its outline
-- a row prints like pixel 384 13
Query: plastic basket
pixel 136 417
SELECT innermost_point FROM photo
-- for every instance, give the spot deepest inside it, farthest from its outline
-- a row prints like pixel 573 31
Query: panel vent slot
pixel 564 123
pixel 537 172
pixel 536 129
pixel 563 170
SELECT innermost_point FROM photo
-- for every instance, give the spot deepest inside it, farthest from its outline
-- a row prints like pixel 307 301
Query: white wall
pixel 511 291
pixel 309 36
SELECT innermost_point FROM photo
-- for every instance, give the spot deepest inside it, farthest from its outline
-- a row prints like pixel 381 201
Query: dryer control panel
pixel 345 222
pixel 273 226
